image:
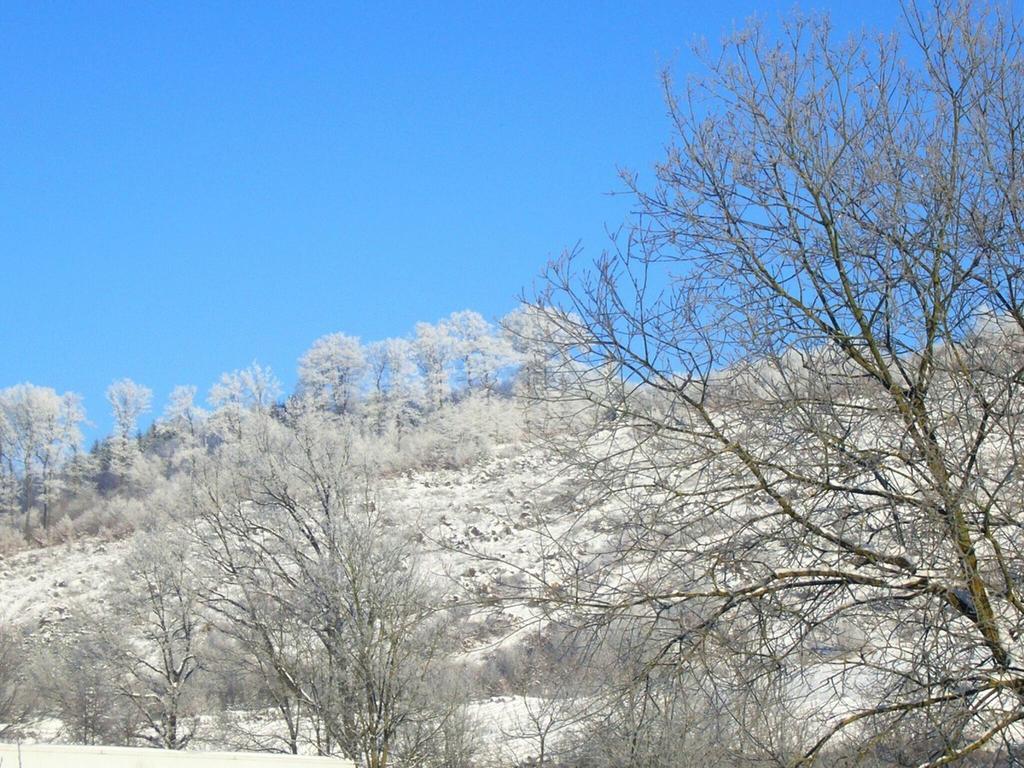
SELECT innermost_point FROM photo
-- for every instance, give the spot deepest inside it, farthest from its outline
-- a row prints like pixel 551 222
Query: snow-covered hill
pixel 476 527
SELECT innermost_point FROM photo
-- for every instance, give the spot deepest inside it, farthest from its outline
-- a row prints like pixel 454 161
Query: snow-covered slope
pixel 39 587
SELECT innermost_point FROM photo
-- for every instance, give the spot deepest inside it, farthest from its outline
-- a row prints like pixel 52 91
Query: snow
pixel 40 586
pixel 61 756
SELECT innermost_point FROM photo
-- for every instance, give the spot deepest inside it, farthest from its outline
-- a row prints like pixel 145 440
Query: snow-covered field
pixel 65 756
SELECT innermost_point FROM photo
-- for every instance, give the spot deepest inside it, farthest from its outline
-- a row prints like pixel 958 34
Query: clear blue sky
pixel 187 187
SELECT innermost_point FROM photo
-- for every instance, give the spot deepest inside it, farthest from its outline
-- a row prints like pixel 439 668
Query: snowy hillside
pixel 476 531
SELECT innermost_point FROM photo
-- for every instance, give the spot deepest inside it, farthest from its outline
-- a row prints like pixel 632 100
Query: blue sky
pixel 188 187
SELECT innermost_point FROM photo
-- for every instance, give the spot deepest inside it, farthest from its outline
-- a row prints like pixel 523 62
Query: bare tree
pixel 794 385
pixel 552 694
pixel 154 640
pixel 316 582
pixel 15 706
pixel 272 717
pixel 77 684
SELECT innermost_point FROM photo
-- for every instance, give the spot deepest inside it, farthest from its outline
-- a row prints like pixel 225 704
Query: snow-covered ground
pixel 39 587
pixel 66 756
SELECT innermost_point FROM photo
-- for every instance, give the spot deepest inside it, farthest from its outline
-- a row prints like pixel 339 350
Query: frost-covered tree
pixel 9 481
pixel 394 386
pixel 128 401
pixel 181 414
pixel 331 371
pixel 41 432
pixel 531 333
pixel 434 350
pixel 482 353
pixel 254 389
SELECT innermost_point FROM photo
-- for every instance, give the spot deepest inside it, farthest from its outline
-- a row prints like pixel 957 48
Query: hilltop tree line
pixel 385 388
